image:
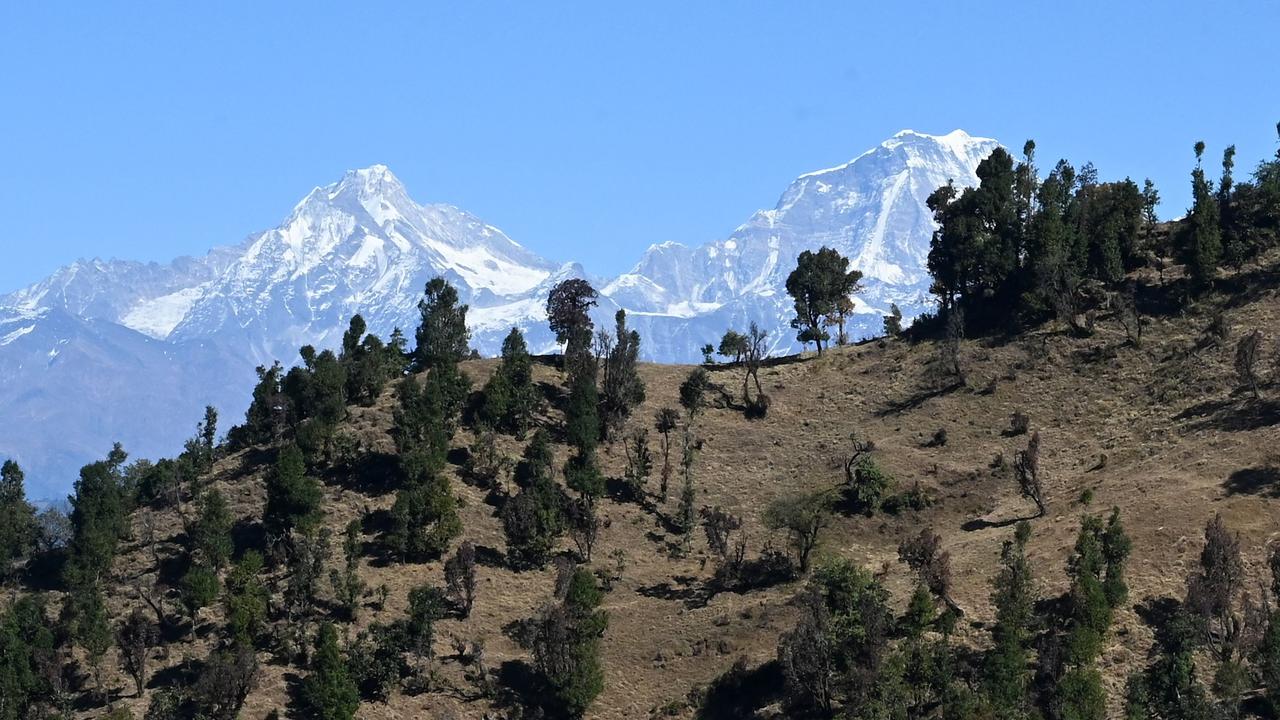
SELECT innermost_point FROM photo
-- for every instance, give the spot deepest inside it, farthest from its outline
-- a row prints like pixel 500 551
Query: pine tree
pixel 442 334
pixel 1006 667
pixel 510 399
pixel 211 532
pixel 622 388
pixel 424 518
pixel 246 598
pixel 565 643
pixel 329 692
pixel 1202 226
pixel 17 520
pixel 293 497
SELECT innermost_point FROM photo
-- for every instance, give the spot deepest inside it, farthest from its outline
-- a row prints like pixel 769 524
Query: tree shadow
pixel 1264 481
pixel 984 524
pixel 1230 415
pixel 683 588
pixel 490 557
pixel 247 534
pixel 44 571
pixel 375 474
pixel 521 687
pixel 741 691
pixel 1157 613
pixel 919 398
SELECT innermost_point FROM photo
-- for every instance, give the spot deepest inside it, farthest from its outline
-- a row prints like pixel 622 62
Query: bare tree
pixel 460 577
pixel 1247 352
pixel 923 555
pixel 753 358
pixel 1213 592
pixel 949 361
pixel 134 639
pixel 1026 467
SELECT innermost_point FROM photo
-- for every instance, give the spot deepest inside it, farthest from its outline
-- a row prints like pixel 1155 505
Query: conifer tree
pixel 565 643
pixel 442 334
pixel 1006 668
pixel 622 387
pixel 17 520
pixel 329 692
pixel 211 532
pixel 509 400
pixel 293 497
pixel 1202 226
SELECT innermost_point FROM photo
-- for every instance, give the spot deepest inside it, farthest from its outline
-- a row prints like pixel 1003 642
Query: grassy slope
pixel 1180 445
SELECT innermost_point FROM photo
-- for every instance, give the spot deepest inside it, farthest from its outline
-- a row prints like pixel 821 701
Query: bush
pixel 376 660
pixel 424 518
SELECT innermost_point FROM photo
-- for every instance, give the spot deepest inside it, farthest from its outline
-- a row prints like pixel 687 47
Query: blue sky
pixel 585 130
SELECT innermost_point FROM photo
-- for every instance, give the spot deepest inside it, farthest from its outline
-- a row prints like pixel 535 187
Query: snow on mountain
pixel 872 209
pixel 118 350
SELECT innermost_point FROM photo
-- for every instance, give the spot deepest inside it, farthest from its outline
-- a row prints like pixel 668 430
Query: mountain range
pixel 116 350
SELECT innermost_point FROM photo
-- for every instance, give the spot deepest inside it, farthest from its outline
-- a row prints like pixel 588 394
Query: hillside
pixel 1160 432
pixel 97 332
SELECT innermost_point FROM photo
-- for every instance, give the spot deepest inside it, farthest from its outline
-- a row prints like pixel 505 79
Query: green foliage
pixel 867 484
pixel 17 520
pixel 536 516
pixel 1006 670
pixel 442 334
pixel 376 660
pixel 837 650
pixel 211 532
pixel 367 362
pixel 1201 229
pixel 293 497
pixel 268 415
pixel 25 639
pixel 426 419
pixel 199 590
pixel 426 606
pixel 424 518
pixel 567 307
pixel 802 516
pixel 819 283
pixel 565 643
pixel 1080 695
pixel 329 692
pixel 621 389
pixel 693 391
pixel 347 585
pixel 733 345
pixel 246 600
pixel 510 399
pixel 893 321
pixel 98 518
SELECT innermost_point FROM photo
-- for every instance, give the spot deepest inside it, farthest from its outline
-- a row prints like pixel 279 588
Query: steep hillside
pixel 1160 431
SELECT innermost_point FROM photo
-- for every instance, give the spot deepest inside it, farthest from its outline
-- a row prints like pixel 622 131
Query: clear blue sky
pixel 584 130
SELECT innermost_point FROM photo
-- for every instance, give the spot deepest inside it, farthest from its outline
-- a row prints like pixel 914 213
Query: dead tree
pixel 922 554
pixel 1247 352
pixel 1026 467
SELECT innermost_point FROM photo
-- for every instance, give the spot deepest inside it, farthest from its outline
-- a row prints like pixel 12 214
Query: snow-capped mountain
pixel 118 350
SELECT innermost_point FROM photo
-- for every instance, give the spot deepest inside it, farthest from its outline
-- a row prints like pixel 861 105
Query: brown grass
pixel 1179 444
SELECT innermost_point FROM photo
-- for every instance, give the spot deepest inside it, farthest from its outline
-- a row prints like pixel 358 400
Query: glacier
pixel 116 350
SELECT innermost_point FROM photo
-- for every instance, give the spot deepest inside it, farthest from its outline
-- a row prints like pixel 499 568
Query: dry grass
pixel 1179 445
